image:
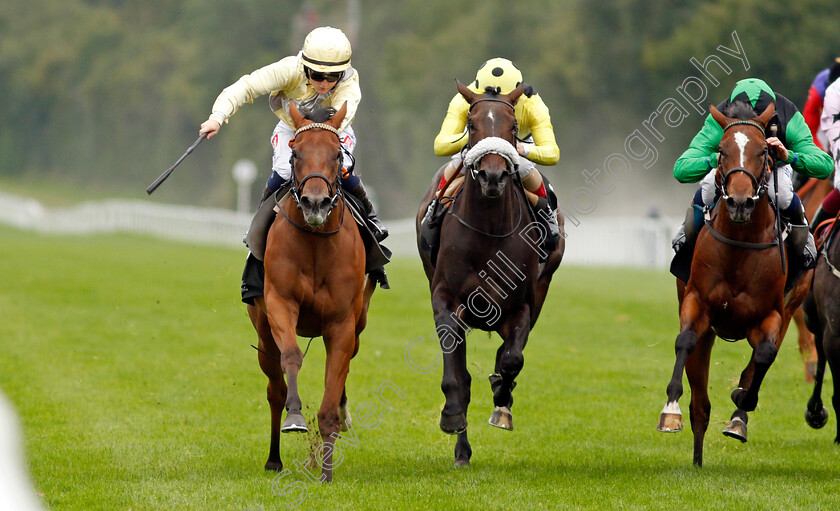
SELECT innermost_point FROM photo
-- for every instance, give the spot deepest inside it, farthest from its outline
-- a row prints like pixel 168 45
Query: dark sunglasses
pixel 318 76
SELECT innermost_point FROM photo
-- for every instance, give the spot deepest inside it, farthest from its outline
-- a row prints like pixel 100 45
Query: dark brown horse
pixel 487 275
pixel 811 195
pixel 314 286
pixel 736 288
pixel 822 307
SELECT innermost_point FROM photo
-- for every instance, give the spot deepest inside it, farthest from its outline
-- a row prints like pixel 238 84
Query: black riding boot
pixel 800 239
pixel 548 218
pixel 819 217
pixel 801 249
pixel 380 232
pixel 684 241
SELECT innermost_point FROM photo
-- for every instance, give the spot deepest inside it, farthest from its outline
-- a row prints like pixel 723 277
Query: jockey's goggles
pixel 318 76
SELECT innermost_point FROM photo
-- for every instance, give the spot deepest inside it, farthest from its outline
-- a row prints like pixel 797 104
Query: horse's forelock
pixel 320 113
pixel 740 110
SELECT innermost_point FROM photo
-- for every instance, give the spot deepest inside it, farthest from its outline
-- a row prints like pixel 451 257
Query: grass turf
pixel 130 364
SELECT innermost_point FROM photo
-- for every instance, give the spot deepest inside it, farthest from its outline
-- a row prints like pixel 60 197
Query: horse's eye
pixel 470 126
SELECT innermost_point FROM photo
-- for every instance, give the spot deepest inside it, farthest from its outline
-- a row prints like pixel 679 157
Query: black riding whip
pixel 152 187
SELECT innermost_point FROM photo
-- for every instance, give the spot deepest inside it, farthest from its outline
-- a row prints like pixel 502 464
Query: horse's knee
pixel 686 341
pixel 765 353
pixel 328 421
pixel 291 359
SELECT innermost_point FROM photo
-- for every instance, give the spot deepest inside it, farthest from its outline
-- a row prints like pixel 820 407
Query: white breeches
pixel 785 187
pixel 283 133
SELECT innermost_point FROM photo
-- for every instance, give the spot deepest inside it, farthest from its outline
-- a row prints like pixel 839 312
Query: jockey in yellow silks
pixel 535 141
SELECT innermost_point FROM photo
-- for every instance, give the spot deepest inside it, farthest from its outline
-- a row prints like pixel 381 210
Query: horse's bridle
pixel 761 188
pixel 759 185
pixel 333 187
pixel 510 169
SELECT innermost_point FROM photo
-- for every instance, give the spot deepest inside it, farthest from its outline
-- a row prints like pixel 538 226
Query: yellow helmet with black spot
pixel 498 73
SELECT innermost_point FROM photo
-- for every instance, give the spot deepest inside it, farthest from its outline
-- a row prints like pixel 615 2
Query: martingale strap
pixel 740 244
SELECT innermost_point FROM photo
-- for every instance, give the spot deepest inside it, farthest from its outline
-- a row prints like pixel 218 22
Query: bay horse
pixel 315 285
pixel 822 307
pixel 736 288
pixel 487 274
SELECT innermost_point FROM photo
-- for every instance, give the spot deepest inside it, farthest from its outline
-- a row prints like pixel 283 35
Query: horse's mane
pixel 740 110
pixel 492 91
pixel 320 113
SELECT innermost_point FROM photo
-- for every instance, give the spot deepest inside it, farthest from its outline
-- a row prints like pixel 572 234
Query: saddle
pixel 376 255
pixel 430 225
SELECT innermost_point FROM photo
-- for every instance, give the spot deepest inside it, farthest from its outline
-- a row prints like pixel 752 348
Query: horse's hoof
pixel 453 424
pixel 501 418
pixel 816 419
pixel 275 466
pixel 461 463
pixel 736 429
pixel 294 423
pixel 670 420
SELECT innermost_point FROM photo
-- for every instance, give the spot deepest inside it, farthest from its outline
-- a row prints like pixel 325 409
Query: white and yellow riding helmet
pixel 326 49
pixel 497 72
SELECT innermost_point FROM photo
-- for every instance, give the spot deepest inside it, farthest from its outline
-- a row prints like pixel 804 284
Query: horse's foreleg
pixel 291 358
pixel 509 362
pixel 807 346
pixel 694 323
pixel 269 359
pixel 831 350
pixel 697 371
pixel 765 341
pixel 816 414
pixel 340 343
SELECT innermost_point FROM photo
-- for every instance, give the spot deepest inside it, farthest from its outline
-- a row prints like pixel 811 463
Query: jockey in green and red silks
pixel 794 149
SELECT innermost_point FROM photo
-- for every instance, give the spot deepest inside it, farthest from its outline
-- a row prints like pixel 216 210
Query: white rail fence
pixel 597 241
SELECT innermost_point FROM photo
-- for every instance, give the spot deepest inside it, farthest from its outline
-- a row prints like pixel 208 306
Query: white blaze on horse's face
pixel 742 141
pixel 491 116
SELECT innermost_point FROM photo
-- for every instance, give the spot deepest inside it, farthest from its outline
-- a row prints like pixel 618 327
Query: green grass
pixel 129 361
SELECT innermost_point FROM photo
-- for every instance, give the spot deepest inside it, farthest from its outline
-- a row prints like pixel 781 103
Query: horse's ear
pixel 297 118
pixel 335 120
pixel 767 114
pixel 466 92
pixel 516 93
pixel 719 117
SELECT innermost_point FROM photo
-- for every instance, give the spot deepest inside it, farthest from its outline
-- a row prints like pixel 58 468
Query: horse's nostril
pixel 730 203
pixel 305 202
pixel 325 203
pixel 749 204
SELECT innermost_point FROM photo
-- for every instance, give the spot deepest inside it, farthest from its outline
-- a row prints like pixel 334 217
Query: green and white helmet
pixel 497 72
pixel 326 49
